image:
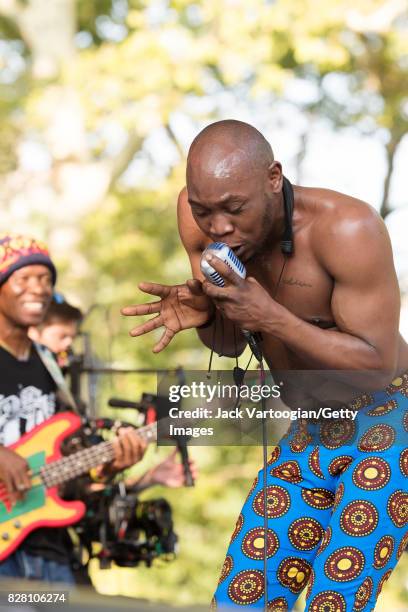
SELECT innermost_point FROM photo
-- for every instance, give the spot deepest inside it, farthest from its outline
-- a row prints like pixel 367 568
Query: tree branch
pixel 174 140
pixel 391 149
pixel 124 158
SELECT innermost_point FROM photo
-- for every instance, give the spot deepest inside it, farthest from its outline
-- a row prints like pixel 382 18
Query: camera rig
pixel 117 526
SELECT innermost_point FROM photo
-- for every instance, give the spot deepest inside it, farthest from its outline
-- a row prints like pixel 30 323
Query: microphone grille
pixel 225 254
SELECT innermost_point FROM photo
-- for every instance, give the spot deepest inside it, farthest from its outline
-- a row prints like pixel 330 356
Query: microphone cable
pixel 262 378
pixel 239 374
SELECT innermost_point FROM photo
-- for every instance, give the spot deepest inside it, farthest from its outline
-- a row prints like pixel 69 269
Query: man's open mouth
pixel 237 249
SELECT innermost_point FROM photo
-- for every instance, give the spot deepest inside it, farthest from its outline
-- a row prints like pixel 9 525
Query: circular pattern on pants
pixel 399 384
pixel 371 474
pixel 363 594
pixel 238 527
pixel 344 564
pixel 328 601
pixel 226 568
pixel 300 441
pixel 247 587
pixel 277 502
pixel 377 438
pixel 254 541
pixel 334 433
pixel 362 401
pixel 275 454
pixel 279 604
pixel 395 385
pixel 339 495
pixel 402 546
pixel 383 551
pixel 339 464
pixel 294 573
pixel 305 533
pixel 319 498
pixel 397 508
pixel 382 582
pixel 405 420
pixel 289 471
pixel 314 463
pixel 325 540
pixel 403 462
pixel 383 409
pixel 359 518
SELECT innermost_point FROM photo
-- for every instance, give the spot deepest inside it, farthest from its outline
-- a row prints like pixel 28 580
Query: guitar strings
pixel 58 471
pixel 78 463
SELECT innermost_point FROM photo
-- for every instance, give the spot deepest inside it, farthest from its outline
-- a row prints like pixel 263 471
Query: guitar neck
pixel 72 466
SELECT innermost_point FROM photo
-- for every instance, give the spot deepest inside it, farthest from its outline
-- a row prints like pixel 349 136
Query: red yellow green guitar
pixel 42 506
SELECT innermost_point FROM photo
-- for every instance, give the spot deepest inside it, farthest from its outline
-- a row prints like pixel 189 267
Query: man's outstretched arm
pixel 186 306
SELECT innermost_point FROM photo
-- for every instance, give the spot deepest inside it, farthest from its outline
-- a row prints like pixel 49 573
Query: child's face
pixel 58 336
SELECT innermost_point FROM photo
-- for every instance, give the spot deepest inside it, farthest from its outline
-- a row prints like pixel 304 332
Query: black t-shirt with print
pixel 27 398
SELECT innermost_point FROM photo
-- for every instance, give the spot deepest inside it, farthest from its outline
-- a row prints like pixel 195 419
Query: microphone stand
pixel 181 441
pixel 264 486
pixel 254 340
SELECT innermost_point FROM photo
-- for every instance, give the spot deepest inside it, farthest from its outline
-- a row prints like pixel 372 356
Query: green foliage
pixel 136 239
pixel 137 66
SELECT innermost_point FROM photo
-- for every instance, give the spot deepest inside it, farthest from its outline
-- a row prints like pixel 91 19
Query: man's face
pixel 58 335
pixel 235 205
pixel 26 295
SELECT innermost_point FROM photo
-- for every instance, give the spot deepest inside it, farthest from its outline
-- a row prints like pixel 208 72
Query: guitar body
pixel 41 507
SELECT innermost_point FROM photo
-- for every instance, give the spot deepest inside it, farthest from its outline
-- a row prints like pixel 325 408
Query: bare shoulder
pixel 190 234
pixel 339 212
pixel 347 230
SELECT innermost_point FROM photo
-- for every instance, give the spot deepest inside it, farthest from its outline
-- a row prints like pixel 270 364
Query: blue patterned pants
pixel 337 507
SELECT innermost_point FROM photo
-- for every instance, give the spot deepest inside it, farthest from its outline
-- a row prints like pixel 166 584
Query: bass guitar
pixel 42 506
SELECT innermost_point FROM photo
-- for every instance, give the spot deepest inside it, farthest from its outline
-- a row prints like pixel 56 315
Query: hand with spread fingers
pixel 180 307
pixel 242 301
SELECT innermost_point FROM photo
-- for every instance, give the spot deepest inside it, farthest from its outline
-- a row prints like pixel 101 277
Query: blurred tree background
pixel 98 104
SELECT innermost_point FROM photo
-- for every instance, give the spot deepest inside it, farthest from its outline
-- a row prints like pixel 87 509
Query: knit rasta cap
pixel 18 251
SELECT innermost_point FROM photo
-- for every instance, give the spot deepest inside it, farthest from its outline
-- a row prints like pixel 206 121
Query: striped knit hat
pixel 19 251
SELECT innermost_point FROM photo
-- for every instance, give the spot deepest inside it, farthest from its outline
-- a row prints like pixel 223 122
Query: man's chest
pixel 300 284
pixel 27 397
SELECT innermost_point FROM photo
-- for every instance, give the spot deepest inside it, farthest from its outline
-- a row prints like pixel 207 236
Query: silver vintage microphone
pixel 227 255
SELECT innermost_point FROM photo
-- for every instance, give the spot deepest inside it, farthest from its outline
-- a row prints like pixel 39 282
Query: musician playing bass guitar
pixel 30 394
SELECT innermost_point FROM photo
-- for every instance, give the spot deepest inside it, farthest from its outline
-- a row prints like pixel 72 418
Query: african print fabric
pixel 337 507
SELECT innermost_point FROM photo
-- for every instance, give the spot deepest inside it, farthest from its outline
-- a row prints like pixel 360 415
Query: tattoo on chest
pixel 295 282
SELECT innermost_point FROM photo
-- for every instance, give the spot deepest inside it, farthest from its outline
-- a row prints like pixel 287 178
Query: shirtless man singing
pixel 325 299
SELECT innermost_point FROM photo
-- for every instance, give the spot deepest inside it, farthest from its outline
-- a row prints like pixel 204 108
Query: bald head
pixel 234 186
pixel 227 148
